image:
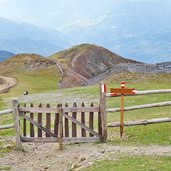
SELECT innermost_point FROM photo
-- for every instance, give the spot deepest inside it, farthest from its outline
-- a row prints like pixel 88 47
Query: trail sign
pixel 122 91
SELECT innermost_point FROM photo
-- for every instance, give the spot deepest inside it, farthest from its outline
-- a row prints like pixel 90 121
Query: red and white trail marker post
pixel 122 91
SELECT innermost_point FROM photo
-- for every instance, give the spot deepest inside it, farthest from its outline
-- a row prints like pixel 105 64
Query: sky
pixel 130 28
pixel 60 14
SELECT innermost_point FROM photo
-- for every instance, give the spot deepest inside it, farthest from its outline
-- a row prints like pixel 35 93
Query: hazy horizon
pixel 137 29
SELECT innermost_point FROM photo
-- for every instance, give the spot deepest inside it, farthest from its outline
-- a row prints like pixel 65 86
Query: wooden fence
pixel 59 124
pixel 6 112
pixel 137 107
pixel 71 123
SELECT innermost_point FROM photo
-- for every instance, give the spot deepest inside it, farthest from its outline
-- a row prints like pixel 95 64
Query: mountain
pixel 86 63
pixel 26 38
pixel 5 54
pixel 25 63
pixel 80 65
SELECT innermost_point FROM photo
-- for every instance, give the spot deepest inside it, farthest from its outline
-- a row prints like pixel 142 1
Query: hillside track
pixel 6 83
pixel 41 156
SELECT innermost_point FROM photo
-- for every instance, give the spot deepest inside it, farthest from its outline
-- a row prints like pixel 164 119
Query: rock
pixel 81 158
pixel 46 168
pixel 8 146
pixel 74 165
pixel 103 151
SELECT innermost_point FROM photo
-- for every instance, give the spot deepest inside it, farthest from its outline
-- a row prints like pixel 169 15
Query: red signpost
pixel 122 91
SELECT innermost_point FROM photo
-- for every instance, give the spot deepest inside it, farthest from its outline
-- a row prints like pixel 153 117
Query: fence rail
pixel 6 112
pixel 145 92
pixel 141 122
pixel 137 107
pixel 167 103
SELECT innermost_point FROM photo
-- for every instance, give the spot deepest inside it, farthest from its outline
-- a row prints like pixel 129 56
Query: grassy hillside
pixel 159 134
pixel 42 78
pixel 84 62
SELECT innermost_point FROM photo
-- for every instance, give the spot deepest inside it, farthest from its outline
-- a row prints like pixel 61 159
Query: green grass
pixel 5 168
pixel 44 81
pixel 158 134
pixel 2 104
pixel 4 149
pixel 133 163
pixel 34 82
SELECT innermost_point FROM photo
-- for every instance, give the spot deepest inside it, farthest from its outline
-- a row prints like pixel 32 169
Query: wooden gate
pixel 58 124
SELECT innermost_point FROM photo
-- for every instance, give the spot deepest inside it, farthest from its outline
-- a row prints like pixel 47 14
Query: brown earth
pixel 48 157
pixel 83 62
pixel 24 63
pixel 6 83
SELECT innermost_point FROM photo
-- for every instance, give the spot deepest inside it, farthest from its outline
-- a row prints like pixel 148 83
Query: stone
pixel 81 158
pixel 8 146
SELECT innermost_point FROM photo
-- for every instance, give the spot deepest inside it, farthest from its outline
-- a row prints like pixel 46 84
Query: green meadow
pixel 157 134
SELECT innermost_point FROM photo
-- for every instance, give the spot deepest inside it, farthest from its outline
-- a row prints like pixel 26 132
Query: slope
pixel 85 62
pixel 33 73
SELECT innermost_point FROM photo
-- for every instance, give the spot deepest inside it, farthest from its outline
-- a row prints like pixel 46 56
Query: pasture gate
pixel 59 124
pixel 73 123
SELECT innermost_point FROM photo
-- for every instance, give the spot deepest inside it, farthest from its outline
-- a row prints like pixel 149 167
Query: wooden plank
pixel 122 90
pixel 40 139
pixel 7 111
pixel 141 122
pixel 17 126
pixel 39 120
pixel 56 121
pixel 38 125
pixel 122 116
pixel 66 124
pixel 48 121
pixel 99 124
pixel 24 124
pixel 74 126
pixel 7 126
pixel 60 129
pixel 39 110
pixel 146 92
pixel 81 125
pixel 161 104
pixel 103 116
pixel 83 131
pixel 79 140
pixel 65 139
pixel 91 119
pixel 31 125
pixel 56 110
pixel 81 109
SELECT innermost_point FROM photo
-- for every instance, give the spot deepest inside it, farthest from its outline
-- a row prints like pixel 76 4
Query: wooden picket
pixel 71 124
pixel 66 124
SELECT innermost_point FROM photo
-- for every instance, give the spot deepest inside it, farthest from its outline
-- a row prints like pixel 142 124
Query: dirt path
pixel 6 83
pixel 42 157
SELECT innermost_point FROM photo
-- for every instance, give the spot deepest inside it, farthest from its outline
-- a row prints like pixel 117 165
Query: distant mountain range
pixel 5 54
pixel 139 30
pixel 26 38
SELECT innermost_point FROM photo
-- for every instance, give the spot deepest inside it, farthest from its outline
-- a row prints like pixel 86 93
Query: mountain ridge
pixel 80 65
pixel 5 54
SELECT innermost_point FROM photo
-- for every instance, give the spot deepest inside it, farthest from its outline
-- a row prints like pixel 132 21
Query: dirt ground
pixel 6 83
pixel 48 157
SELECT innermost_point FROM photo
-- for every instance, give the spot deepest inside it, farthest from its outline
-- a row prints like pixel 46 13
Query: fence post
pixel 60 128
pixel 17 125
pixel 103 112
